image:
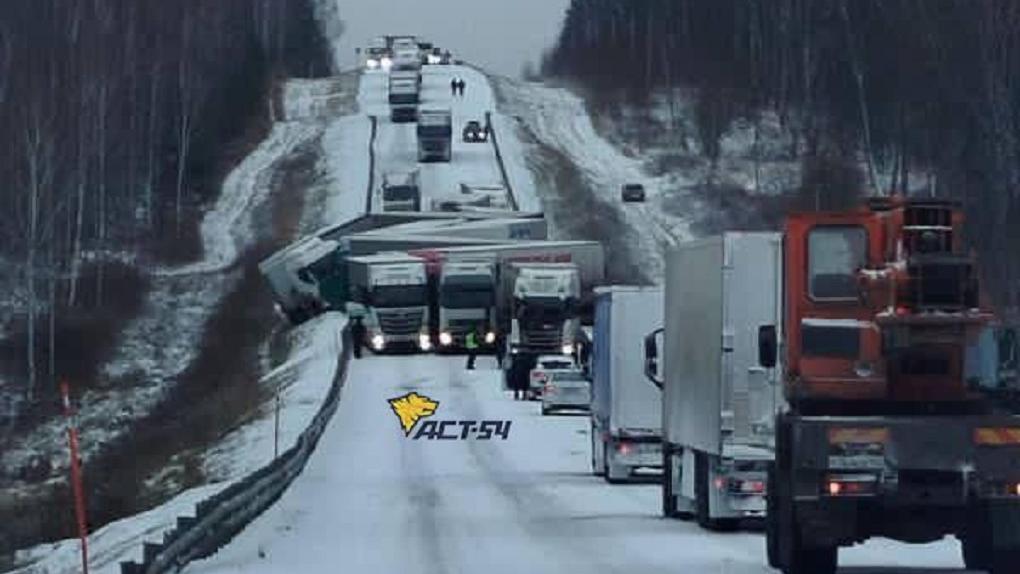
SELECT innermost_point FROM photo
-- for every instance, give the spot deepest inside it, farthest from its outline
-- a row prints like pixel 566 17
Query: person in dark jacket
pixel 460 86
pixel 357 336
pixel 453 86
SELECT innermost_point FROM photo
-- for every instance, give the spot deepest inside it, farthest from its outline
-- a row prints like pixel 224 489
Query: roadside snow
pixel 559 119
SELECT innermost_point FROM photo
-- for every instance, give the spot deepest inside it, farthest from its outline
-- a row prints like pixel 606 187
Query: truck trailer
pixel 403 99
pixel 718 404
pixel 401 192
pixel 884 435
pixel 626 411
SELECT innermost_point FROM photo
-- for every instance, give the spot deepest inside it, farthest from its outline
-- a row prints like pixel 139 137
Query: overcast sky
pixel 500 35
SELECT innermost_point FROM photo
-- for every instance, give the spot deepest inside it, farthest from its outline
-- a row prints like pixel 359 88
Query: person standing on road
pixel 358 336
pixel 471 344
pixel 453 86
pixel 460 86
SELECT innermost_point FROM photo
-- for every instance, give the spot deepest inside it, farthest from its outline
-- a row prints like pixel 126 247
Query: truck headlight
pixel 433 59
pixel 378 341
pixel 424 342
pixel 445 339
pixel 490 337
pixel 372 64
pixel 386 63
pixel 568 349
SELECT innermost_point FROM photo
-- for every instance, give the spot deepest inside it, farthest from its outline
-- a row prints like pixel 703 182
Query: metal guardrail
pixel 499 162
pixel 371 164
pixel 222 516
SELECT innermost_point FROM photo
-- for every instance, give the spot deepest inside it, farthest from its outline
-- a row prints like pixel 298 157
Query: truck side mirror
pixel 652 359
pixel 768 346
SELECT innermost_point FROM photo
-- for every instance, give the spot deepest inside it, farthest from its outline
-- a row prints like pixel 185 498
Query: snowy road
pixel 375 500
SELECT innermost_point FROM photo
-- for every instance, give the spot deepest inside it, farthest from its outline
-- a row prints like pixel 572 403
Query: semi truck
pixel 295 280
pixel 403 98
pixel 390 295
pixel 401 192
pixel 626 421
pixel 718 404
pixel 467 301
pixel 435 133
pixel 883 434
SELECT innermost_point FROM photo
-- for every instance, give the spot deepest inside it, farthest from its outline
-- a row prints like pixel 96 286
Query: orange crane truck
pixel 883 434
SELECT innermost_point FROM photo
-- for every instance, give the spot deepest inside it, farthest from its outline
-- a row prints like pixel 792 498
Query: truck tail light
pixel 549 389
pixel 624 448
pixel 850 485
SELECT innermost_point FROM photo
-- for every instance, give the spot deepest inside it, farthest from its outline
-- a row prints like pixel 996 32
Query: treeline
pixel 907 85
pixel 115 120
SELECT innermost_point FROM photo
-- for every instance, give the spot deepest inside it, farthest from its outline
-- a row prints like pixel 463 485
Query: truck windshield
pixel 466 296
pixel 398 296
pixel 437 131
pixel 835 253
pixel 400 192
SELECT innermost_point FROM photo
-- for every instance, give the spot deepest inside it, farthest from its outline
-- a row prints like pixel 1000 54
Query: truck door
pixel 833 346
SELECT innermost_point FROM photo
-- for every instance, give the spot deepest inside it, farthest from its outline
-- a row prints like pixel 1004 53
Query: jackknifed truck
pixel 718 404
pixel 626 422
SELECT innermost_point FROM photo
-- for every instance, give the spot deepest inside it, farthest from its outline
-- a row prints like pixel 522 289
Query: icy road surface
pixel 375 500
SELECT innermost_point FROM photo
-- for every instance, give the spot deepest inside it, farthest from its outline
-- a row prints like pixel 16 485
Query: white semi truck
pixel 295 288
pixel 626 411
pixel 404 96
pixel 435 135
pixel 718 404
pixel 401 191
pixel 467 301
pixel 390 294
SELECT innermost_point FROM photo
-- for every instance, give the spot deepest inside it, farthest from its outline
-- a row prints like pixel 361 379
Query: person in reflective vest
pixel 471 344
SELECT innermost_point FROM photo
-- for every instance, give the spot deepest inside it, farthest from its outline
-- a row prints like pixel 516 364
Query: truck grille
pixel 463 325
pixel 400 322
pixel 551 338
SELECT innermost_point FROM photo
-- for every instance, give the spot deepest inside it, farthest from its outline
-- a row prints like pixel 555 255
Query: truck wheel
pixel 976 552
pixel 1003 561
pixel 771 519
pixel 668 498
pixel 596 468
pixel 702 497
pixel 790 548
pixel 613 475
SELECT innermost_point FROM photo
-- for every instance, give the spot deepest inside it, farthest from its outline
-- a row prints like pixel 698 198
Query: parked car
pixel 632 193
pixel 543 366
pixel 475 133
pixel 566 389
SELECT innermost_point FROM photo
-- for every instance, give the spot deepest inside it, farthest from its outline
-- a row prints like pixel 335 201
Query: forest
pixel 924 95
pixel 119 119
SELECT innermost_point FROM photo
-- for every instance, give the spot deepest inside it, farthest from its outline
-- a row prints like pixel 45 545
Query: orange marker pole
pixel 76 482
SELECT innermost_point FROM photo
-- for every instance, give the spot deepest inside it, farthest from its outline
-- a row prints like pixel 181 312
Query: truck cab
pixel 435 135
pixel 401 192
pixel 292 276
pixel 544 307
pixel 390 293
pixel 467 300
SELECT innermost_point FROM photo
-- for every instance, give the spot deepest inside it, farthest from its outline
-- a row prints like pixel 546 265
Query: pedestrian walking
pixel 471 344
pixel 522 379
pixel 453 86
pixel 358 336
pixel 460 86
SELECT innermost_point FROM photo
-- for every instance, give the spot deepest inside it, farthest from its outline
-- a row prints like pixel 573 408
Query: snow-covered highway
pixel 374 500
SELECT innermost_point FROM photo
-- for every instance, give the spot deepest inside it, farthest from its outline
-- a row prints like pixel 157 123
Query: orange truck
pixel 884 434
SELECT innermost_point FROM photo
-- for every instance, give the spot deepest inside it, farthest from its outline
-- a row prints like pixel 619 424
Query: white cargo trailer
pixel 718 404
pixel 626 410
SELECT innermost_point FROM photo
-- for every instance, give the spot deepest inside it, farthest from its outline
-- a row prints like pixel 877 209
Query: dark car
pixel 632 192
pixel 475 133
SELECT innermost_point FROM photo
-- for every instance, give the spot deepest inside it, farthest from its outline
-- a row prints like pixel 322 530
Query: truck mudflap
pixel 913 478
